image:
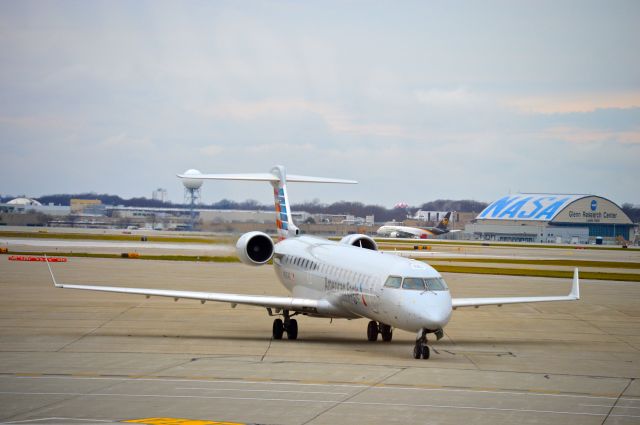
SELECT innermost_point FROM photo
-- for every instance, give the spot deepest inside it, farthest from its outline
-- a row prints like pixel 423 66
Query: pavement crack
pixel 354 395
pixel 125 311
pixel 617 400
pixel 267 350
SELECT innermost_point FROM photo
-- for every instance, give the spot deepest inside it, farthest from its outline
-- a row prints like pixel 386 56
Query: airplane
pixel 347 279
pixel 393 231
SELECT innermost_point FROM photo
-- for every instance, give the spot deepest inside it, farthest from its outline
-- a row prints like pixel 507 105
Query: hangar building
pixel 551 218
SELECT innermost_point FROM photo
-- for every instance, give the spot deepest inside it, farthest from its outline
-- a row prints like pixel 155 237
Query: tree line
pixel 357 209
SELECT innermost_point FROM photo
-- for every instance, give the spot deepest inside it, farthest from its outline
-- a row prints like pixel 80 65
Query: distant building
pixel 78 205
pixel 434 216
pixel 551 218
pixel 159 194
pixel 28 205
pixel 26 202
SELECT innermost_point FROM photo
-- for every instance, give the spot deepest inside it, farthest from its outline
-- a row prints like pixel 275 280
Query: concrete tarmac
pixel 84 357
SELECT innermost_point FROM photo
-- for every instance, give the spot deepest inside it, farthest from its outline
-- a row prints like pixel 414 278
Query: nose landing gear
pixel 421 349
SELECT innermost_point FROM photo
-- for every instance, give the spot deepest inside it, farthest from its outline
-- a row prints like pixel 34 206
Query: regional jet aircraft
pixel 394 231
pixel 348 279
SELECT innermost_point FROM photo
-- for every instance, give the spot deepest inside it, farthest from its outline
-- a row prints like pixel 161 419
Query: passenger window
pixel 415 283
pixel 393 282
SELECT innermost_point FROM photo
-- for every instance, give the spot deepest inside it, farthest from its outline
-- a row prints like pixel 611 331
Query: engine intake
pixel 362 241
pixel 254 248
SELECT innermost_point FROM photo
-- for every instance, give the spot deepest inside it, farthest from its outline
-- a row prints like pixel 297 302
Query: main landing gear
pixel 421 349
pixel 288 325
pixel 373 329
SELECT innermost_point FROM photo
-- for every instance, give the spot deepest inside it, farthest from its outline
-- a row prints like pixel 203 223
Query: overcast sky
pixel 416 100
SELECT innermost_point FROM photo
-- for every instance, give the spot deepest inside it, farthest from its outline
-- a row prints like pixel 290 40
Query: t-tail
pixel 278 178
pixel 444 223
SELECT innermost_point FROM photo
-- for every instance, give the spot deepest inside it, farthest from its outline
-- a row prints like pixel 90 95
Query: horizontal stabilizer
pixel 265 177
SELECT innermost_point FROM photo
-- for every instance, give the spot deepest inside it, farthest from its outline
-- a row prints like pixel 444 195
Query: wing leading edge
pixel 477 302
pixel 282 303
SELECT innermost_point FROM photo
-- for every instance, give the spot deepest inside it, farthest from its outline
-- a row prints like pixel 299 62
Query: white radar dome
pixel 192 183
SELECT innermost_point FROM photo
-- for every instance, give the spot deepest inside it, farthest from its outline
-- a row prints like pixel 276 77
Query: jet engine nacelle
pixel 254 248
pixel 362 241
pixel 394 234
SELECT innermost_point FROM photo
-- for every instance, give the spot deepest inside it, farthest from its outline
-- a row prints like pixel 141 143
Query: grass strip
pixel 548 262
pixel 220 259
pixel 111 237
pixel 627 277
pixel 564 274
pixel 423 242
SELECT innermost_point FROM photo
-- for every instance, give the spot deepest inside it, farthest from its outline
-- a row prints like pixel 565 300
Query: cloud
pixel 335 119
pixel 323 89
pixel 578 102
pixel 212 150
pixel 122 144
pixel 586 136
pixel 458 97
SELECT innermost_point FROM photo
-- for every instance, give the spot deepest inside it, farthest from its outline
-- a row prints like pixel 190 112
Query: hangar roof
pixel 24 201
pixel 554 206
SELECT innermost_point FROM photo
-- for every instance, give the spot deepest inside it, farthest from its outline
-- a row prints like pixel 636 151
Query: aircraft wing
pixel 477 302
pixel 282 303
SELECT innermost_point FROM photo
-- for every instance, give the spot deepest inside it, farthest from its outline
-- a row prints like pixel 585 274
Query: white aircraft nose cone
pixel 437 318
pixel 423 310
pixel 435 312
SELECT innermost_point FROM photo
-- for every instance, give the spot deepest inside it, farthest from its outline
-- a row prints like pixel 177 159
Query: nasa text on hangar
pixel 551 218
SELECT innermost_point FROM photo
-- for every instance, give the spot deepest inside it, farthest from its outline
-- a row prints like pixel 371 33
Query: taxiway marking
pixel 363 403
pixel 355 385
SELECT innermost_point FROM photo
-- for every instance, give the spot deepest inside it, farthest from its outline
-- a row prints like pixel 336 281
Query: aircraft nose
pixel 434 315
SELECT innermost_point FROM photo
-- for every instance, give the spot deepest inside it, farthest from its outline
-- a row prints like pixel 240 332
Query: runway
pixel 81 357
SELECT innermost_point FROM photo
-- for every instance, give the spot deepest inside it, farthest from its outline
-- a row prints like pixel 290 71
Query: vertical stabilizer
pixel 444 223
pixel 284 222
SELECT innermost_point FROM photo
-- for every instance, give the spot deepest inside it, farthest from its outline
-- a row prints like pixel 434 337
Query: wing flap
pixel 477 302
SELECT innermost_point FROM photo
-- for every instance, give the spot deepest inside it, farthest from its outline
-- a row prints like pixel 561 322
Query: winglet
pixel 575 288
pixel 56 284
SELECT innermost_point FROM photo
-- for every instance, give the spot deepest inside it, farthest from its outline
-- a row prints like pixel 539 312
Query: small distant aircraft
pixel 349 279
pixel 393 231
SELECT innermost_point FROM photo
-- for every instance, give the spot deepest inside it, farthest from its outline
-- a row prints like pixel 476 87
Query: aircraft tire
pixel 292 329
pixel 417 351
pixel 425 352
pixel 386 332
pixel 278 329
pixel 372 331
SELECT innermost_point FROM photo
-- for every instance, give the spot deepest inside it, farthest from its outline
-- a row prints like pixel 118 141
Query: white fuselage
pixel 350 282
pixel 404 232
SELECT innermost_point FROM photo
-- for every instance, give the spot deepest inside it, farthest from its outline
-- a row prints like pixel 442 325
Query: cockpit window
pixel 422 284
pixel 415 283
pixel 393 282
pixel 435 284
